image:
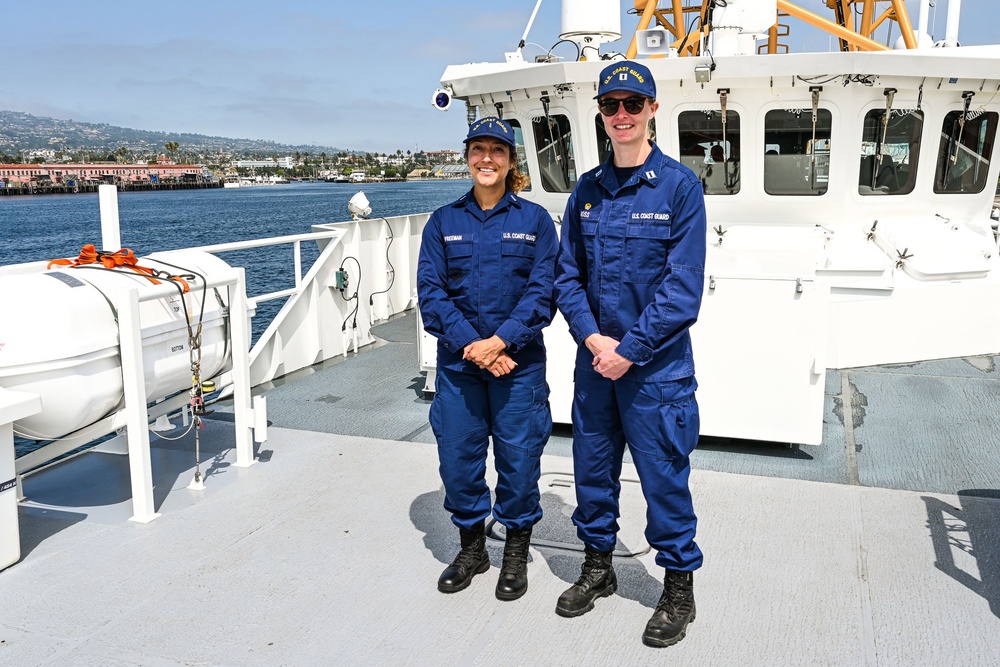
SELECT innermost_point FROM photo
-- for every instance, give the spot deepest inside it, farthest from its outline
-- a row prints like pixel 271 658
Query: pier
pixel 123 186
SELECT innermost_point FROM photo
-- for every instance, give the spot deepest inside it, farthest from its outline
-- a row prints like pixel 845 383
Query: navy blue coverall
pixel 631 267
pixel 482 273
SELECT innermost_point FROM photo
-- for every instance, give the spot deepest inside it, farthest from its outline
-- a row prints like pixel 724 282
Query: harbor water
pixel 52 226
pixel 34 228
pixel 46 227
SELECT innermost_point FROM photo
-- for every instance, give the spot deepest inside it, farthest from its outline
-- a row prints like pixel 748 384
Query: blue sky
pixel 350 75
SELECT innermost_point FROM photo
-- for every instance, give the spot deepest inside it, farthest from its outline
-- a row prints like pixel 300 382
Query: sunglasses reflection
pixel 633 105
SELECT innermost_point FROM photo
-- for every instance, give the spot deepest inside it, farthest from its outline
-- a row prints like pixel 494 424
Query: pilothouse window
pixel 554 140
pixel 522 156
pixel 890 148
pixel 966 149
pixel 797 151
pixel 711 149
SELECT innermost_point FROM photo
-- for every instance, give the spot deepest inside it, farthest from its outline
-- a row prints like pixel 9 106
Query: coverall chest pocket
pixel 459 264
pixel 646 252
pixel 516 259
pixel 588 230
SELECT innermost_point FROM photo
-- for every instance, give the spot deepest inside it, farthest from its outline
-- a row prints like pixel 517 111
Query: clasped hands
pixel 607 361
pixel 490 355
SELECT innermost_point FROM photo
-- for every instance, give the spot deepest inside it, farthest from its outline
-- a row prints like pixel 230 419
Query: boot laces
pixel 594 569
pixel 677 597
pixel 468 557
pixel 515 553
pixel 513 563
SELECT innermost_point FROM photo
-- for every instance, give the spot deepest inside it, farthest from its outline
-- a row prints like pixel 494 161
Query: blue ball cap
pixel 626 75
pixel 494 127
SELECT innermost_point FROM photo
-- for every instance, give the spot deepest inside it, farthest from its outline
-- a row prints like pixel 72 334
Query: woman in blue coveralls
pixel 484 287
pixel 629 282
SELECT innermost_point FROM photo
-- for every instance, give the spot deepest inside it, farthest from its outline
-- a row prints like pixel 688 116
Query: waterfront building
pixel 19 175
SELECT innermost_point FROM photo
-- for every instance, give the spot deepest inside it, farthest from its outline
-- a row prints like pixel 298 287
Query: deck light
pixel 358 206
pixel 441 99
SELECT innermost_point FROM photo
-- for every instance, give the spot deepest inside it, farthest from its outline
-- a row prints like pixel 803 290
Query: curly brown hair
pixel 516 181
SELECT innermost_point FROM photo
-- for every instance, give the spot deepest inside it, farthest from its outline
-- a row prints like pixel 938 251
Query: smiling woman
pixel 484 287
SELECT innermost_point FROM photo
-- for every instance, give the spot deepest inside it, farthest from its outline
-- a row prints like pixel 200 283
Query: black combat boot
pixel 469 562
pixel 674 611
pixel 597 579
pixel 513 582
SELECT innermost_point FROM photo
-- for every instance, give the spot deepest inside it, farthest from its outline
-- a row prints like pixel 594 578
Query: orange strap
pixel 125 258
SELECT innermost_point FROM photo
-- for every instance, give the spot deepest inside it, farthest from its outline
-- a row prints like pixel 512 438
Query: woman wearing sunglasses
pixel 484 287
pixel 629 282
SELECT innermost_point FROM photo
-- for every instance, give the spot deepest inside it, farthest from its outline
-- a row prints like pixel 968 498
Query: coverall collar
pixel 468 201
pixel 609 181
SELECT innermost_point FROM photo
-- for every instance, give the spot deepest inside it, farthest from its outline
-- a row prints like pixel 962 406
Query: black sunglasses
pixel 633 105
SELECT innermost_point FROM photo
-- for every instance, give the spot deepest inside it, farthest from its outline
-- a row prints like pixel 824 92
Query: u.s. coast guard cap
pixel 494 127
pixel 626 75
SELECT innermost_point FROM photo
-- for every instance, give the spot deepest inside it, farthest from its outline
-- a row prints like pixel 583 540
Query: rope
pixel 123 258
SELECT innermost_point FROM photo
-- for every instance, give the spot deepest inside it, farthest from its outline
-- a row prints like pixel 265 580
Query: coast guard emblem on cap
pixel 629 76
pixel 491 126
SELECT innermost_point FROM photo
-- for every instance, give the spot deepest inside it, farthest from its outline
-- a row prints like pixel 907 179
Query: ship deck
pixel 879 547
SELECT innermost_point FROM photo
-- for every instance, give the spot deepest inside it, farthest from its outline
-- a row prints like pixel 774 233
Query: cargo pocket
pixel 680 424
pixel 541 418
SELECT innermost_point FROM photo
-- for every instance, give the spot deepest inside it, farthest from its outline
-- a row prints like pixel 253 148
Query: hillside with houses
pixel 33 148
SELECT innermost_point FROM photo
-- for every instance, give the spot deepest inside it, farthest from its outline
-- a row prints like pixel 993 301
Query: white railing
pixel 321 319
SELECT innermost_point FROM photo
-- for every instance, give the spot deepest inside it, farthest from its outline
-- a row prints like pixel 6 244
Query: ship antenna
pixel 517 56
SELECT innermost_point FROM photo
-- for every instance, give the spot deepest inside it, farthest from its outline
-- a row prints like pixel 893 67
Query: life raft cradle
pixel 125 258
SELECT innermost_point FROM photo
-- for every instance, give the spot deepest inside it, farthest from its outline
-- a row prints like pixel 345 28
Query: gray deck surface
pixel 327 551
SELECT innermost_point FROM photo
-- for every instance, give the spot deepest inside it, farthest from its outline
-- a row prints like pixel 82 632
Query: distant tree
pixel 171 147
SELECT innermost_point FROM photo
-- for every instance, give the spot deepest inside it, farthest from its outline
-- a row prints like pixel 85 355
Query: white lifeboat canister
pixel 59 337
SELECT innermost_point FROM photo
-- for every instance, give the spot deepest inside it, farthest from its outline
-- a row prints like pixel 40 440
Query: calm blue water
pixel 49 226
pixel 52 226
